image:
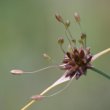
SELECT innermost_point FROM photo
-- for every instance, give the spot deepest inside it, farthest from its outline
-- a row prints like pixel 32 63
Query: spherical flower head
pixel 77 62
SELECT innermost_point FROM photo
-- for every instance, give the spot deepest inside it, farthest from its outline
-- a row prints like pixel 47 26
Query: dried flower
pixel 16 72
pixel 77 60
pixel 77 17
pixel 59 18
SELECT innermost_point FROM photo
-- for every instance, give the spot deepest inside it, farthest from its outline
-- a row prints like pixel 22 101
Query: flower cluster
pixel 76 61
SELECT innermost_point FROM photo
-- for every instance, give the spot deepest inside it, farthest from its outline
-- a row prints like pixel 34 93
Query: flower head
pixel 76 61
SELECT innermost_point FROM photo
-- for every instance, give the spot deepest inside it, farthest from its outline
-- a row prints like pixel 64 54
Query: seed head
pixel 76 62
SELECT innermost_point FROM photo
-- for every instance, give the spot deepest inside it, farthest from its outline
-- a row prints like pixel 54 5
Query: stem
pixel 32 101
pixel 69 33
pixel 62 49
pixel 80 26
pixel 61 80
pixel 100 54
pixel 85 42
pixel 100 72
pixel 29 104
pixel 42 69
pixel 68 37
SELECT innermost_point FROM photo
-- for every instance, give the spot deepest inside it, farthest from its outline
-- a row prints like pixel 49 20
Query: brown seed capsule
pixel 59 18
pixel 17 72
pixel 83 36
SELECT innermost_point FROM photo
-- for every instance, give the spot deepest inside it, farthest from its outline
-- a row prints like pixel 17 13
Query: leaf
pixel 100 54
pixel 62 79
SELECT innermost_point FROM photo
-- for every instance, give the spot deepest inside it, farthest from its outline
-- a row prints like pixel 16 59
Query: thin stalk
pixel 32 101
pixel 81 30
pixel 85 43
pixel 58 82
pixel 66 33
pixel 68 30
pixel 68 37
pixel 42 69
pixel 72 39
pixel 62 49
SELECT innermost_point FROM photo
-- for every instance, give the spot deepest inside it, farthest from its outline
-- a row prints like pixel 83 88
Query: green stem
pixel 100 72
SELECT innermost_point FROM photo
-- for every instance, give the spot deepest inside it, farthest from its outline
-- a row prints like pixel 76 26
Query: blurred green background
pixel 28 29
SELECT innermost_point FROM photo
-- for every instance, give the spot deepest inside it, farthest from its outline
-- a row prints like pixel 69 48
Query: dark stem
pixel 100 72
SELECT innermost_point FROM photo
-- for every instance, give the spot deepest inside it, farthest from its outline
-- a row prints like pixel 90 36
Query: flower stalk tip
pixel 17 72
pixel 46 56
pixel 67 24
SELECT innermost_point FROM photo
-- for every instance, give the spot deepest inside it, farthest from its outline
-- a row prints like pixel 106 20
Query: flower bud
pixel 77 17
pixel 59 18
pixel 60 40
pixel 67 23
pixel 83 36
pixel 46 56
pixel 16 72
